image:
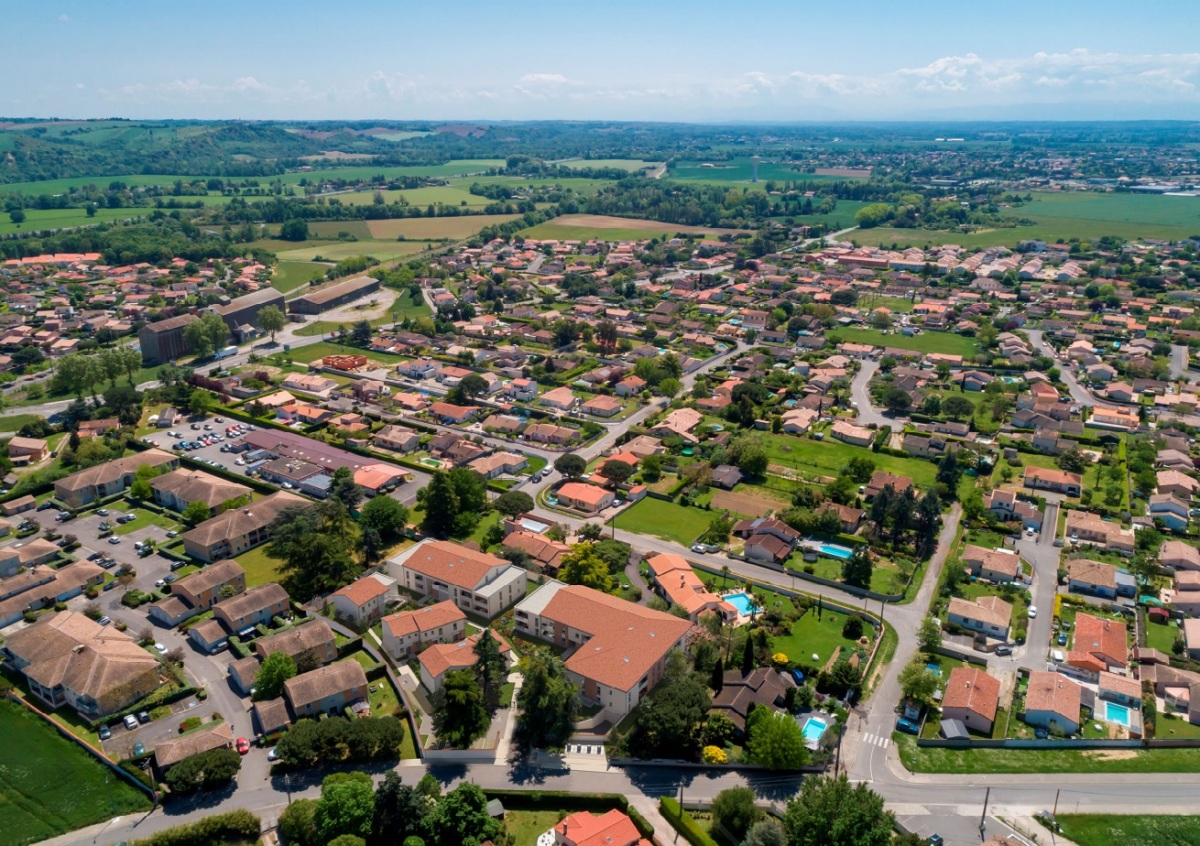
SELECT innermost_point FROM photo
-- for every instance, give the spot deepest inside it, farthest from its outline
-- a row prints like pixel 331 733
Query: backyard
pixel 927 341
pixel 828 457
pixel 662 519
pixel 57 787
pixel 260 568
pixel 816 633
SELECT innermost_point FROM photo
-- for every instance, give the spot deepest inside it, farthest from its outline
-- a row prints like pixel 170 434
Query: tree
pixel 1072 461
pixel 897 400
pixel 360 334
pixel 857 569
pixel 582 566
pixel 275 669
pixel 667 722
pixel 398 812
pixel 441 506
pixel 957 407
pixel 929 516
pixel 347 840
pixel 316 545
pixel 616 471
pixel 651 468
pixel 140 489
pixel 200 401
pixel 385 515
pixel 766 833
pixel 916 681
pixel 124 402
pixel 929 635
pixel 470 488
pixel 195 513
pixel 776 740
pixel 344 489
pixel 747 452
pixel 71 375
pixel 346 806
pixel 473 386
pixel 214 768
pixel 207 334
pixel 271 319
pixel 459 715
pixel 17 216
pixel 591 532
pixel 948 473
pixel 512 503
pixel 296 824
pixel 461 818
pixel 370 546
pixel 733 810
pixel 294 230
pixel 548 702
pixel 570 465
pixel 860 469
pixel 832 812
pixel 490 670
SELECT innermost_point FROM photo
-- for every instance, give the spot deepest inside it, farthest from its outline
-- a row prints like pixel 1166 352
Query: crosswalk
pixel 875 740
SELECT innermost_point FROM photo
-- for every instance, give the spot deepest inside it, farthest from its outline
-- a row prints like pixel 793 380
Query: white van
pixel 1057 656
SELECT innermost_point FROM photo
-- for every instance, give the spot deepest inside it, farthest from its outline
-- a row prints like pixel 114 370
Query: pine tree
pixel 441 506
pixel 717 680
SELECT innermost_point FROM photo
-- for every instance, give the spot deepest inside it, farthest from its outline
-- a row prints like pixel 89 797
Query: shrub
pixel 714 755
pixel 234 826
pixel 853 628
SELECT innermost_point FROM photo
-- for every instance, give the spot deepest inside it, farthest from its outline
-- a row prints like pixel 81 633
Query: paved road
pixel 867 412
pixel 1180 365
pixel 1080 395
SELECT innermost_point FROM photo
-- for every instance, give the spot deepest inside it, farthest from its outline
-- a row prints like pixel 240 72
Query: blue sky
pixel 650 60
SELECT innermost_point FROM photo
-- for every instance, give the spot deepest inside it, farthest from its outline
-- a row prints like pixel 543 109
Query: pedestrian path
pixel 876 740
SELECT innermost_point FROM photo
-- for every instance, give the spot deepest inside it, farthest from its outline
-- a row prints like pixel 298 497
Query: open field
pixel 584 227
pixel 402 306
pixel 1104 829
pixel 744 503
pixel 433 228
pixel 37 219
pixel 336 250
pixel 964 761
pixel 841 217
pixel 289 275
pixel 662 519
pixel 739 170
pixel 928 341
pixel 311 352
pixel 622 164
pixel 457 167
pixel 48 786
pixel 332 228
pixel 828 457
pixel 432 195
pixel 260 568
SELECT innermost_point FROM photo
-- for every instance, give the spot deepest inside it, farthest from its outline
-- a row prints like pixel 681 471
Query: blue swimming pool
pixel 743 603
pixel 813 729
pixel 835 551
pixel 935 669
pixel 1115 713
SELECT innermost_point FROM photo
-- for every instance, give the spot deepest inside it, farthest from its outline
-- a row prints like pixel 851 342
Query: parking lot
pixel 213 455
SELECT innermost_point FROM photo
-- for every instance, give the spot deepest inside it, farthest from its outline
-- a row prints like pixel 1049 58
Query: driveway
pixel 867 413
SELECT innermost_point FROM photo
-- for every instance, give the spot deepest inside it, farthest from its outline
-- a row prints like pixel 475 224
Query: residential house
pixel 326 690
pixel 71 661
pixel 408 632
pixel 1006 506
pixel 972 697
pixel 603 406
pixel 24 451
pixel 477 582
pixel 619 648
pixel 612 828
pixel 548 554
pixel 452 415
pixel 309 645
pixel 168 753
pixel 851 434
pixel 1179 555
pixel 1170 509
pixel 550 433
pixel 740 693
pixel 1052 701
pixel 254 607
pixel 987 615
pixel 180 488
pixel 881 479
pixel 998 566
pixel 499 464
pixel 726 476
pixel 1099 644
pixel 851 517
pixel 199 592
pixel 584 497
pixel 680 422
pixel 441 658
pixel 561 398
pixel 1179 484
pixel 675 579
pixel 362 602
pixel 112 477
pixel 398 438
pixel 238 530
pixel 1057 481
pixel 1094 578
pixel 1091 528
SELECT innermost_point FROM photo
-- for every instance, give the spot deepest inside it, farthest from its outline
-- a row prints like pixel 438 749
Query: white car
pixel 1029 531
pixel 160 649
pixel 1032 611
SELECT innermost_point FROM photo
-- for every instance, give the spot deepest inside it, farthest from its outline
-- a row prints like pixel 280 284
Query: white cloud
pixel 64 18
pixel 550 78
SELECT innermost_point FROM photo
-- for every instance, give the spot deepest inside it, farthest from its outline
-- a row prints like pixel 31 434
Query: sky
pixel 657 60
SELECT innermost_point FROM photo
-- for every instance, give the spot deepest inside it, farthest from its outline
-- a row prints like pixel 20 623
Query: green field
pixel 320 229
pixel 828 457
pixel 662 519
pixel 927 342
pixel 36 219
pixel 260 568
pixel 1105 829
pixel 458 167
pixel 337 250
pixel 49 786
pixel 433 195
pixel 13 422
pixel 841 217
pixel 311 352
pixel 621 164
pixel 968 761
pixel 740 170
pixel 811 636
pixel 289 275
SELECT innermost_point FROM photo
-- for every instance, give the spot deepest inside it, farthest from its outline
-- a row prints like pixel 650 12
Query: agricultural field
pixel 49 786
pixel 840 218
pixel 289 275
pixel 927 342
pixel 337 250
pixel 331 229
pixel 740 170
pixel 456 168
pixel 584 227
pixel 630 165
pixel 432 195
pixel 37 219
pixel 434 228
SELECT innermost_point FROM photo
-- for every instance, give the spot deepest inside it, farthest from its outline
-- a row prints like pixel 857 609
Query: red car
pixel 243 745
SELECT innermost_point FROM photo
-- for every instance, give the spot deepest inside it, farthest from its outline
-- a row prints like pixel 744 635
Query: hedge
pixel 683 823
pixel 238 826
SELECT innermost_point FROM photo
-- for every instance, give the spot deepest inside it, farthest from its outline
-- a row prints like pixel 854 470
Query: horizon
pixel 669 62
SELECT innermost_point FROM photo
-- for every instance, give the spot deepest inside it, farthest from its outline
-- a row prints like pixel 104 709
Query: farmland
pixel 432 195
pixel 336 250
pixel 49 786
pixel 619 164
pixel 433 228
pixel 607 228
pixel 740 170
pixel 289 275
pixel 38 219
pixel 927 342
pixel 827 458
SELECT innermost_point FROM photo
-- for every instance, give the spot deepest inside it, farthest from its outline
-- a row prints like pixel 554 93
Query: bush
pixel 236 826
pixel 714 755
pixel 853 627
pixel 682 822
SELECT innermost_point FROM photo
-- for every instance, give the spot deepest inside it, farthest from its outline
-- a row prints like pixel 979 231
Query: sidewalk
pixel 504 745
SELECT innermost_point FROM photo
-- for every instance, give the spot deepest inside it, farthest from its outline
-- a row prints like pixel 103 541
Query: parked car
pixel 1062 639
pixel 139 748
pixel 114 539
pixel 105 732
pixel 907 726
pixel 143 717
pixel 109 586
pixel 103 512
pixel 1004 649
pixel 95 556
pixel 1032 611
pixel 130 722
pixel 272 755
pixel 104 621
pixel 243 745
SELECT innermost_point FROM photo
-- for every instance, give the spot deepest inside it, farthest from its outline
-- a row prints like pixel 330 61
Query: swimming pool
pixel 743 603
pixel 835 551
pixel 1115 713
pixel 813 729
pixel 935 669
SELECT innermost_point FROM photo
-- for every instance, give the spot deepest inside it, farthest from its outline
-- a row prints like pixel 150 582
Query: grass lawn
pixel 13 422
pixel 927 342
pixel 812 635
pixel 37 219
pixel 260 568
pixel 667 520
pixel 311 352
pixel 289 275
pixel 144 519
pixel 828 457
pixel 57 787
pixel 1161 636
pixel 964 761
pixel 525 827
pixel 1104 829
pixel 506 694
pixel 387 250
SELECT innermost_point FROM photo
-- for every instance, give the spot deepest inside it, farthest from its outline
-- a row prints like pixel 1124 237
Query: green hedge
pixel 238 826
pixel 683 823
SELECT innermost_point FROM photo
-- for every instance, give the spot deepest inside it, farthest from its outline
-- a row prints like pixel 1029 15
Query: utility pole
pixel 983 816
pixel 1054 813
